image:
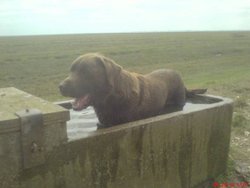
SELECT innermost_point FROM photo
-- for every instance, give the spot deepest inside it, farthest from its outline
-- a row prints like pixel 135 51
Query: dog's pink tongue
pixel 81 103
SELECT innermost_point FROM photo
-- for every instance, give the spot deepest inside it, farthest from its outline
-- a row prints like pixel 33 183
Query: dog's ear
pixel 112 70
pixel 122 84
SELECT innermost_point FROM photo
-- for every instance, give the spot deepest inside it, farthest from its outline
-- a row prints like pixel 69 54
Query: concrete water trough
pixel 44 145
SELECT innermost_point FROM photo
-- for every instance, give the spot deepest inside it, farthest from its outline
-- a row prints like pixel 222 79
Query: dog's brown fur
pixel 119 96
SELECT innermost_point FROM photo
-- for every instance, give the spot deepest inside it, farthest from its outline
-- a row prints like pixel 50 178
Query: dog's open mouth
pixel 81 102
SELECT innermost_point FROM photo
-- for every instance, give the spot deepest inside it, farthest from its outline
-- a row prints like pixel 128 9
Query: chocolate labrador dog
pixel 119 96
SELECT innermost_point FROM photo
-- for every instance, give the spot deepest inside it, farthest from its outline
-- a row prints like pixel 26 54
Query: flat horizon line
pixel 127 32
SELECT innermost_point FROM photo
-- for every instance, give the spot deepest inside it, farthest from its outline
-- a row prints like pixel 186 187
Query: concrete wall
pixel 178 150
pixel 12 153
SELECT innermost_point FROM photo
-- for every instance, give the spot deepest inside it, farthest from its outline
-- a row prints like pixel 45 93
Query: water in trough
pixel 83 123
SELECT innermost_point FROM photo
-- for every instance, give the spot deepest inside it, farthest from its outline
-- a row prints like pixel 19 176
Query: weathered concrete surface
pixel 11 154
pixel 178 150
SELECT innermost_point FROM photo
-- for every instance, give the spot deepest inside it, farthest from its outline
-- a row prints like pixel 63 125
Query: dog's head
pixel 92 77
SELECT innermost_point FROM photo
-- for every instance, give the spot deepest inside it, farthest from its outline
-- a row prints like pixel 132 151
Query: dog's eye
pixel 78 67
pixel 81 69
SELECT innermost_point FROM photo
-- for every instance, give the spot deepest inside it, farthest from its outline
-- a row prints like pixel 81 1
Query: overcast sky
pixel 29 17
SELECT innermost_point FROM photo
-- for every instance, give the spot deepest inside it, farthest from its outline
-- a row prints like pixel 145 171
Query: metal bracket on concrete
pixel 32 137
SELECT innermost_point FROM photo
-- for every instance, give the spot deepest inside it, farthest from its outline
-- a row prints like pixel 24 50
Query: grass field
pixel 219 61
pixel 37 64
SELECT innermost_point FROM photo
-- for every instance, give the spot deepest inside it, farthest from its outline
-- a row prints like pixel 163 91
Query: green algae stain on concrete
pixel 185 153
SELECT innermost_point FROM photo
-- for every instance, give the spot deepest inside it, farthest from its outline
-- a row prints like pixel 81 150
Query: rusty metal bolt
pixel 40 149
pixel 34 147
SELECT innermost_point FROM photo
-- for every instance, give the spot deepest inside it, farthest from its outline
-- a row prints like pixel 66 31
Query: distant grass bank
pixel 37 64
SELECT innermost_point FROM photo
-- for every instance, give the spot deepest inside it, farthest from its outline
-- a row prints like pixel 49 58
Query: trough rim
pixel 144 122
